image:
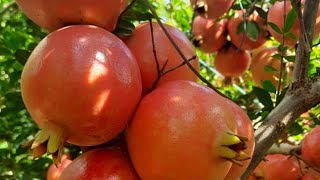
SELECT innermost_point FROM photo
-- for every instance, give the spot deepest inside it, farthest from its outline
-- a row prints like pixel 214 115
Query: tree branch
pixel 306 23
pixel 7 7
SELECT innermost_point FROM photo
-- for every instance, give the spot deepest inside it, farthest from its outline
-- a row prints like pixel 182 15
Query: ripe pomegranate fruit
pixel 103 163
pixel 54 14
pixel 208 35
pixel 166 54
pixel 262 59
pixel 232 62
pixel 124 4
pixel 245 129
pixel 278 165
pixel 183 130
pixel 241 39
pixel 54 172
pixel 311 175
pixel 310 147
pixel 81 84
pixel 211 8
pixel 275 16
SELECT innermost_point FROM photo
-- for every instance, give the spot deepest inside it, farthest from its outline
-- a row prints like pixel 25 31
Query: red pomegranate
pixel 311 174
pixel 165 51
pixel 232 62
pixel 212 8
pixel 241 39
pixel 209 35
pixel 106 164
pixel 54 14
pixel 259 64
pixel 245 129
pixel 81 84
pixel 183 130
pixel 310 147
pixel 54 172
pixel 275 16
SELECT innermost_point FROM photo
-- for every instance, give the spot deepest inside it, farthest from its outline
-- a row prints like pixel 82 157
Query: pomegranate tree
pixel 174 134
pixel 81 84
pixel 209 35
pixel 54 14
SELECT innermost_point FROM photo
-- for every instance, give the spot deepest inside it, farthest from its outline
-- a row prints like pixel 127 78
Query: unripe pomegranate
pixel 183 130
pixel 310 147
pixel 245 129
pixel 166 54
pixel 81 84
pixel 54 14
pixel 209 35
pixel 263 59
pixel 241 39
pixel 54 171
pixel 232 62
pixel 106 164
pixel 211 8
pixel 275 16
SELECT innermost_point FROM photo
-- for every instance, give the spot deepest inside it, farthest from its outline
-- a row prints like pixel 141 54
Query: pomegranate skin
pixel 245 129
pixel 310 147
pixel 232 62
pixel 212 33
pixel 83 83
pixel 54 14
pixel 104 164
pixel 175 133
pixel 54 172
pixel 216 8
pixel 165 52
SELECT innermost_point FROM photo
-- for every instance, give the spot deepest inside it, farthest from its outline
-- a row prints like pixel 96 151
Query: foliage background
pixel 19 35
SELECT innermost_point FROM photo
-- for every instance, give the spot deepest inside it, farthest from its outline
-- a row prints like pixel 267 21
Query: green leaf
pixel 22 55
pixel 290 58
pixel 277 56
pixel 291 35
pixel 264 97
pixel 261 12
pixel 240 27
pixel 268 68
pixel 253 30
pixel 275 27
pixel 268 86
pixel 290 19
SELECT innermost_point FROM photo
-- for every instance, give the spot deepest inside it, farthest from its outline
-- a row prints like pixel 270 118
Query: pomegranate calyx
pixel 197 41
pixel 201 7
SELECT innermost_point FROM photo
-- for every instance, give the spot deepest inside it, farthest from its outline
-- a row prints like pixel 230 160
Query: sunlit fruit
pixel 310 147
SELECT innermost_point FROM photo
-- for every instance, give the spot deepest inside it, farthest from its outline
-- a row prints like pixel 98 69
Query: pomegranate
pixel 263 59
pixel 103 163
pixel 165 52
pixel 241 39
pixel 310 147
pixel 124 4
pixel 54 172
pixel 232 62
pixel 183 130
pixel 275 16
pixel 54 14
pixel 245 129
pixel 211 8
pixel 208 35
pixel 278 165
pixel 311 175
pixel 81 84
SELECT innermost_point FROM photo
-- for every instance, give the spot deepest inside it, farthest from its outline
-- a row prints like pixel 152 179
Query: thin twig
pixel 180 65
pixel 180 52
pixel 306 162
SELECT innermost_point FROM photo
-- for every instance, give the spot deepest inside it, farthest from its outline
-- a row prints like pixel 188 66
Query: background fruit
pixel 262 60
pixel 54 14
pixel 241 39
pixel 275 16
pixel 164 51
pixel 81 83
pixel 232 62
pixel 100 164
pixel 215 8
pixel 310 147
pixel 180 138
pixel 209 35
